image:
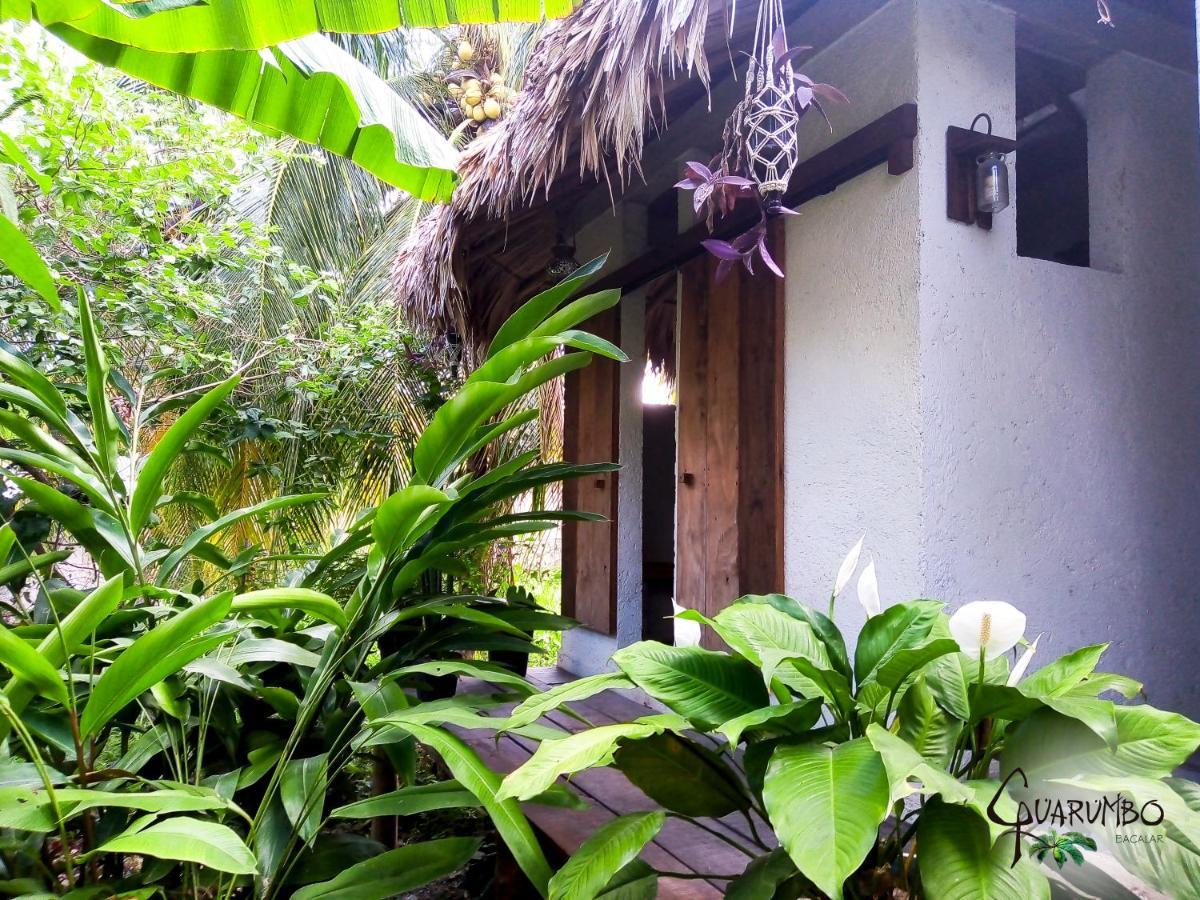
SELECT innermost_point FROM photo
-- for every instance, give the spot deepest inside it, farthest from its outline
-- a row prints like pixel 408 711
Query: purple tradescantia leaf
pixel 782 59
pixel 722 250
pixel 697 171
pixel 767 258
pixel 736 181
pixel 724 267
pixel 828 92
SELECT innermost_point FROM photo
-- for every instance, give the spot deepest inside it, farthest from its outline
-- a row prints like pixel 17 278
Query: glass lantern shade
pixel 991 183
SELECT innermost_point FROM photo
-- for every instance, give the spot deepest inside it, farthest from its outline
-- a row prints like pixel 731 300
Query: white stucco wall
pixel 1003 427
pixel 851 432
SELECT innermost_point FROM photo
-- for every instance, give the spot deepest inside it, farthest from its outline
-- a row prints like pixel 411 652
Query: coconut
pixel 455 90
pixel 491 108
pixel 473 97
pixel 478 114
pixel 465 51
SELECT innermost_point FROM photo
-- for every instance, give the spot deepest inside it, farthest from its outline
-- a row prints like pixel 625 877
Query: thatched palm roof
pixel 597 81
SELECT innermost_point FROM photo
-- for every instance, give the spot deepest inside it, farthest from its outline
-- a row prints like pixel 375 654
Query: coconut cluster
pixel 481 94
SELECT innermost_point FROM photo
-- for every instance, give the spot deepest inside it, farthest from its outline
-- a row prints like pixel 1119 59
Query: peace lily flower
pixel 868 590
pixel 1023 663
pixel 687 633
pixel 987 628
pixel 849 564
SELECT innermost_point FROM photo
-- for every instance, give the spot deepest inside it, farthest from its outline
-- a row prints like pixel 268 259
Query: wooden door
pixel 729 520
pixel 589 549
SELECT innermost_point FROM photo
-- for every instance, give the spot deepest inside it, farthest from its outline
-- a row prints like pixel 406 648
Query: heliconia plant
pixel 918 765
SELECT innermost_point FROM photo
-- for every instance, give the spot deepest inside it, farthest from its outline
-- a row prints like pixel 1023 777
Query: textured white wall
pixel 851 426
pixel 1061 406
pixel 1003 427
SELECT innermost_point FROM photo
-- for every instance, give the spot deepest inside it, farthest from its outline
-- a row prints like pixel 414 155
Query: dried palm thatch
pixel 596 82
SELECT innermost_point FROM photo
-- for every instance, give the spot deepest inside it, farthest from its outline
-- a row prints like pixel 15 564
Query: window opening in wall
pixel 1052 160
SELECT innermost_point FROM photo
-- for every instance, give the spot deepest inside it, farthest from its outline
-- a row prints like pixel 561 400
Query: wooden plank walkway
pixel 679 847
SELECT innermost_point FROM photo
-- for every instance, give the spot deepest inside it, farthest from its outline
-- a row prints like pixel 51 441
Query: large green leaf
pixel 605 853
pixel 682 775
pixel 166 450
pixel 316 604
pixel 1060 676
pixel 302 790
pixel 762 877
pixel 408 801
pixel 927 728
pixel 307 88
pixel 704 686
pixel 469 770
pixel 160 652
pixel 835 644
pixel 188 840
pixel 105 428
pixel 780 719
pixel 959 862
pixel 533 312
pixel 899 627
pixel 399 514
pixel 826 804
pixel 19 257
pixel 538 705
pixel 26 663
pixel 754 628
pixel 579 751
pixel 255 24
pixel 910 773
pixel 394 871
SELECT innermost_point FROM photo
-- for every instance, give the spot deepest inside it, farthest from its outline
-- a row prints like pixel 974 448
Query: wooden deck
pixel 680 847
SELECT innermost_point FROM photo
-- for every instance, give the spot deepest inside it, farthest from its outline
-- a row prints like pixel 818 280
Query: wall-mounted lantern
pixel 976 173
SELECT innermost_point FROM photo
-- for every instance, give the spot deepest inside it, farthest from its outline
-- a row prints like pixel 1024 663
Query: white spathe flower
pixel 687 633
pixel 868 590
pixel 1023 663
pixel 991 626
pixel 849 564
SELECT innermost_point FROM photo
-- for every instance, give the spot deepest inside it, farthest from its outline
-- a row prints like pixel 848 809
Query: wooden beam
pixel 888 139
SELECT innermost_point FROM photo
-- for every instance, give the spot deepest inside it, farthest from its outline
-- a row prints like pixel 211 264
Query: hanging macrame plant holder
pixel 766 122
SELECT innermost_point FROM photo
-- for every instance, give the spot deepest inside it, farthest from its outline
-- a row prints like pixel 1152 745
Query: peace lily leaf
pixel 469 770
pixel 959 862
pixel 20 257
pixel 1064 673
pixel 26 663
pixel 808 679
pixel 926 727
pixel 160 652
pixel 255 24
pixel 783 718
pixel 605 853
pixel 540 704
pixel 897 627
pixel 167 449
pixel 682 775
pixel 394 871
pixel 187 840
pixel 704 686
pixel 826 804
pixel 302 790
pixel 904 765
pixel 751 629
pixel 950 677
pixel 762 877
pixel 316 604
pixel 409 801
pixel 831 637
pixel 307 88
pixel 582 750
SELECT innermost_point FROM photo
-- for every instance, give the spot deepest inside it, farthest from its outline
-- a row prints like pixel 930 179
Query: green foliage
pixel 781 727
pixel 246 710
